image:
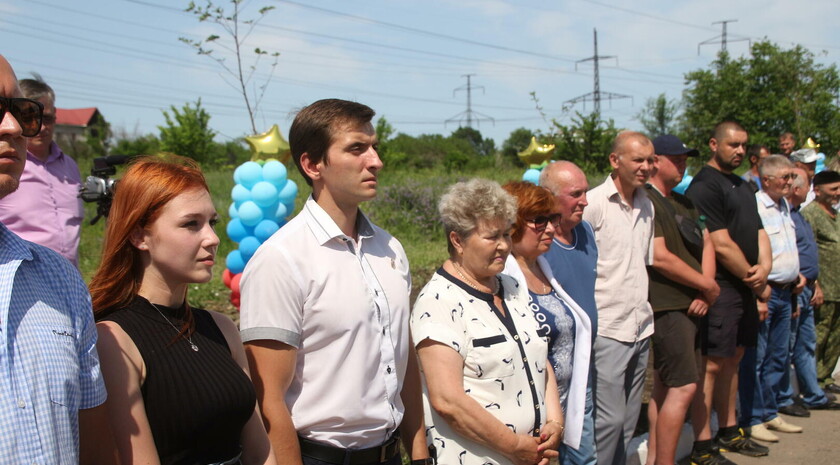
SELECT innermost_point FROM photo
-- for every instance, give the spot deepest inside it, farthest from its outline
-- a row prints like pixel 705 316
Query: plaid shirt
pixel 49 368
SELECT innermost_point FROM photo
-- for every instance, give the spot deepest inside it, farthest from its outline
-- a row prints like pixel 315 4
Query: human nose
pixel 375 162
pixel 211 239
pixel 9 124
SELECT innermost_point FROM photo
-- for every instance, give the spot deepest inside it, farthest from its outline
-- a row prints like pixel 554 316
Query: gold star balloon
pixel 536 154
pixel 810 144
pixel 269 145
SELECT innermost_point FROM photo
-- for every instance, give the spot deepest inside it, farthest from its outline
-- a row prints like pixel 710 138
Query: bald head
pixel 558 174
pixel 626 139
pixel 12 142
pixel 569 185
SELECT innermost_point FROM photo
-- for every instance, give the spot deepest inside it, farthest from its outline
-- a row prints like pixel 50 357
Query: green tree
pixel 771 91
pixel 659 116
pixel 481 146
pixel 140 145
pixel 237 31
pixel 586 141
pixel 517 141
pixel 187 132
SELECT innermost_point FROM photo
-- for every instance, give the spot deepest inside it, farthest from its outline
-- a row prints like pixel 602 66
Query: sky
pixel 406 59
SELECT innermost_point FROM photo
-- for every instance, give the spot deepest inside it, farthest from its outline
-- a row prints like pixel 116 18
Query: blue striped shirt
pixel 49 368
pixel 782 233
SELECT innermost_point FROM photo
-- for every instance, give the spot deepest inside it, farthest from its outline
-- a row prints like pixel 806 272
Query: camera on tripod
pixel 99 186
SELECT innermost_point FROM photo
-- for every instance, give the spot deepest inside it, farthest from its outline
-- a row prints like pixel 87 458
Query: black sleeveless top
pixel 197 402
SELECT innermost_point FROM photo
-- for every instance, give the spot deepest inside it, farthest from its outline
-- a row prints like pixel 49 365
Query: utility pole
pixel 596 95
pixel 724 36
pixel 469 115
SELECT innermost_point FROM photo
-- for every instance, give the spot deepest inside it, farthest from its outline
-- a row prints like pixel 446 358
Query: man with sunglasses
pixel 682 286
pixel 51 391
pixel 46 208
pixel 621 215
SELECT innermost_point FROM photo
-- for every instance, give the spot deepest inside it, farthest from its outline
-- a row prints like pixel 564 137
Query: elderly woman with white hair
pixel 489 391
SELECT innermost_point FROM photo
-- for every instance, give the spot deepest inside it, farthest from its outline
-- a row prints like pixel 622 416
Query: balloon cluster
pixel 263 198
pixel 536 155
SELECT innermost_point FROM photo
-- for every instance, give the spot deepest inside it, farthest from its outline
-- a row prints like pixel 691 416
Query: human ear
pixel 138 238
pixel 312 169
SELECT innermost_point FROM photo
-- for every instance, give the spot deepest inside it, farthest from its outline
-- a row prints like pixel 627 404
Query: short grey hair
pixel 466 204
pixel 36 88
pixel 772 164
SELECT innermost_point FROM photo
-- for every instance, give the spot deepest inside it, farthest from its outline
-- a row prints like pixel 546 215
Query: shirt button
pixel 21 403
pixel 537 406
pixel 516 337
pixel 531 382
pixel 525 359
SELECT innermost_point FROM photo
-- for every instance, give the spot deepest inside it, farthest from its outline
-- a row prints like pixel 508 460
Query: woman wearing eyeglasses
pixel 557 314
pixel 177 377
pixel 490 395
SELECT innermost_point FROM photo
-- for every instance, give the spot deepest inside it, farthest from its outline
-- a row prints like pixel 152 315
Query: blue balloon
pixel 288 192
pixel 236 231
pixel 281 213
pixel 235 262
pixel 240 194
pixel 683 185
pixel 264 229
pixel 248 246
pixel 250 173
pixel 264 194
pixel 237 175
pixel 274 172
pixel 232 211
pixel 250 213
pixel 532 176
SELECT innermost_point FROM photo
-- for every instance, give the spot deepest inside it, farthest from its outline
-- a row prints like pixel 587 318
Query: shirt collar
pixel 768 202
pixel 324 227
pixel 612 191
pixel 13 247
pixel 55 154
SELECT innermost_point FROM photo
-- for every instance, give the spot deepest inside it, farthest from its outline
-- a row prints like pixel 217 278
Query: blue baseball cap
pixel 669 144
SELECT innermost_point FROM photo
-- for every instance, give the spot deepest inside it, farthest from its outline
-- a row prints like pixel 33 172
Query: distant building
pixel 81 132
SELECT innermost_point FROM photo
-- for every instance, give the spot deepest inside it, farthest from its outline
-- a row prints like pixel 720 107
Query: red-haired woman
pixel 177 378
pixel 557 314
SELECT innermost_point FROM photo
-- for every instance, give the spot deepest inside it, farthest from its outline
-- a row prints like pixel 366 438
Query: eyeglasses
pixel 541 222
pixel 28 113
pixel 786 177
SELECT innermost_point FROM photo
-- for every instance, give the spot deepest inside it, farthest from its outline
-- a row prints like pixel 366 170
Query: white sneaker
pixel 780 425
pixel 761 433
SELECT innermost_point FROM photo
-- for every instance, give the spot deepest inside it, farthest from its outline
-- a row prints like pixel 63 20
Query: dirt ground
pixel 818 444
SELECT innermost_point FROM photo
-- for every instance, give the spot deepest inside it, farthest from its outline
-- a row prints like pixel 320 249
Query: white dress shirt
pixel 345 307
pixel 624 234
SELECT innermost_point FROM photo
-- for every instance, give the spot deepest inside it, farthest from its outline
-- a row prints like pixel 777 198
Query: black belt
pixel 339 456
pixel 782 286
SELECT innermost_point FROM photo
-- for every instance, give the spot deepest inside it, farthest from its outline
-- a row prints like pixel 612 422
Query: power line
pixel 469 115
pixel 596 95
pixel 723 36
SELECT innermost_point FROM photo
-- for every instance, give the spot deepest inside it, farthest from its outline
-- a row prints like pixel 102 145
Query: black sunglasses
pixel 541 222
pixel 28 113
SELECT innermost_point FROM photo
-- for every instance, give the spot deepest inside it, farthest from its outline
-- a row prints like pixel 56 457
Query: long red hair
pixel 148 184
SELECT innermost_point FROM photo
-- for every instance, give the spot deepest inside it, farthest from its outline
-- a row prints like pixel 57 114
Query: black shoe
pixel 742 445
pixel 831 397
pixel 826 406
pixel 795 411
pixel 710 457
pixel 833 388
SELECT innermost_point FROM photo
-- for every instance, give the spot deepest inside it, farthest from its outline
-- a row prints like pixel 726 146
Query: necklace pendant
pixel 193 347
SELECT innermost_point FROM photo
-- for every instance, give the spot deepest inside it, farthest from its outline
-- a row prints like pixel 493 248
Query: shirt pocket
pixel 772 229
pixel 60 364
pixel 491 356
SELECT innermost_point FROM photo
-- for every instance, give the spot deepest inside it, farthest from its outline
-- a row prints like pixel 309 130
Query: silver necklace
pixel 189 338
pixel 494 290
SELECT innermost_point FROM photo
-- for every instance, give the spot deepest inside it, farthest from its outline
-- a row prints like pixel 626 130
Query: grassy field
pixel 406 206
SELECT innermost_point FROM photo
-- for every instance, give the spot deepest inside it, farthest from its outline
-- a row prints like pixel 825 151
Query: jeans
pixel 585 454
pixel 803 343
pixel 396 460
pixel 772 358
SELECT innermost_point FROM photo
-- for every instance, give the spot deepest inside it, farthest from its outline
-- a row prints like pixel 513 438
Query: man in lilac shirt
pixel 46 208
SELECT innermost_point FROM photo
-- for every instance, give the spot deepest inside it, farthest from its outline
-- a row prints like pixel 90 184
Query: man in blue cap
pixel 682 286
